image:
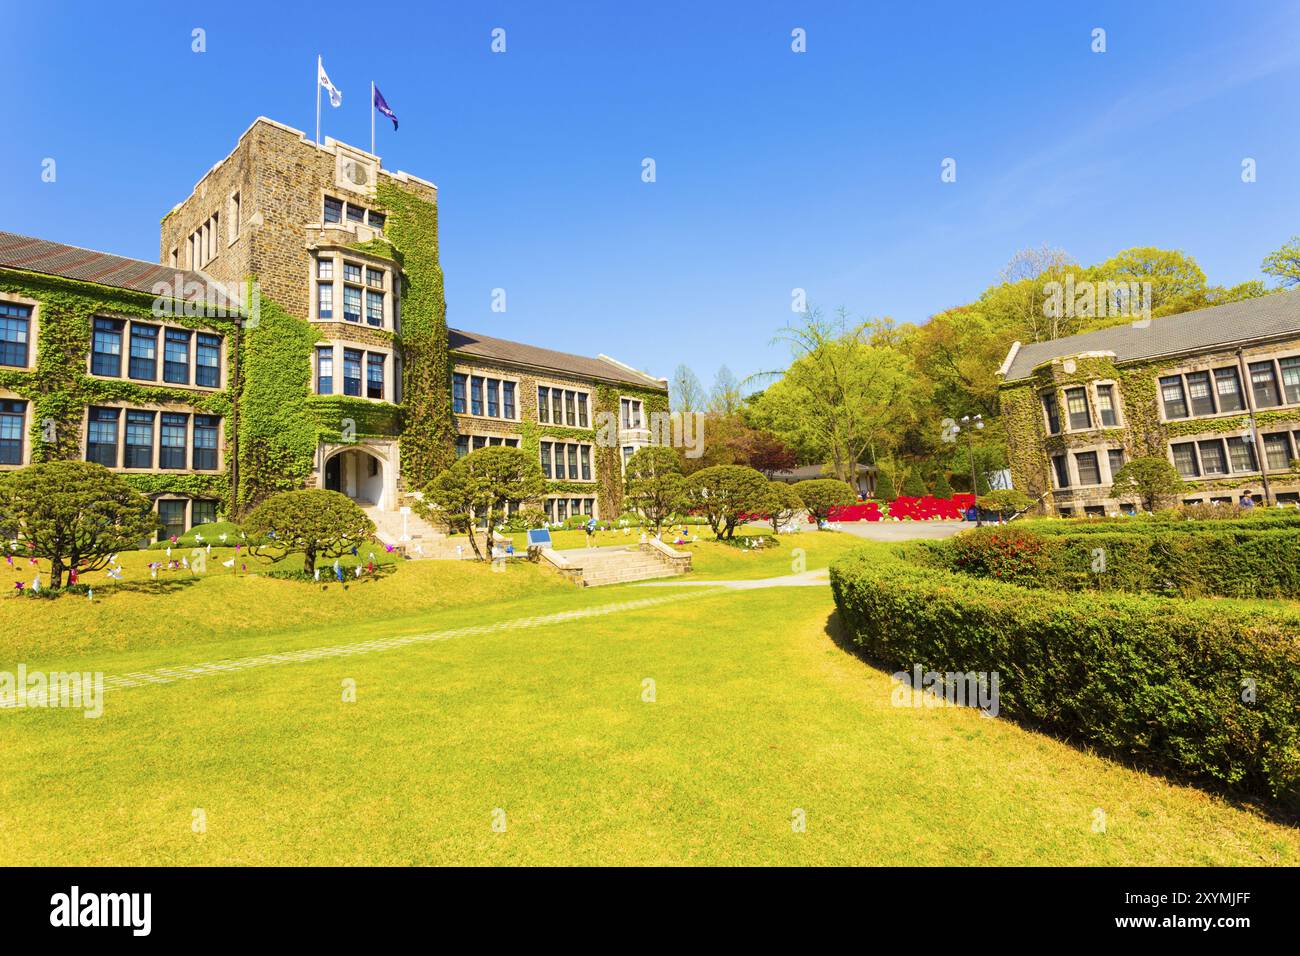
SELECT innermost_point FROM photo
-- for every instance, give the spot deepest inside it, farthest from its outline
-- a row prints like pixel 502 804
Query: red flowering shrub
pixel 1007 553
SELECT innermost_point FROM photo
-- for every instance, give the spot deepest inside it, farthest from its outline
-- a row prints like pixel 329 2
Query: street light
pixel 978 422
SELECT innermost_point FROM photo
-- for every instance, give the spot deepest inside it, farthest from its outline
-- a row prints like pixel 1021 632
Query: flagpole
pixel 318 67
pixel 372 117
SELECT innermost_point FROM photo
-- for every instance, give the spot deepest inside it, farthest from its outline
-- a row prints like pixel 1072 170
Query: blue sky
pixel 775 170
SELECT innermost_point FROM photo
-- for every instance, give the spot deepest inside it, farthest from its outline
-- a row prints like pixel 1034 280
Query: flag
pixel 381 104
pixel 336 98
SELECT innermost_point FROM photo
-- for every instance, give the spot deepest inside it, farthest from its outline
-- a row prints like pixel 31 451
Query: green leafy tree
pixel 884 486
pixel 654 484
pixel 312 522
pixel 1284 264
pixel 74 514
pixel 914 485
pixel 479 486
pixel 1151 481
pixel 782 504
pixel 822 495
pixel 725 492
pixel 1177 282
pixel 1005 502
pixel 941 487
pixel 685 391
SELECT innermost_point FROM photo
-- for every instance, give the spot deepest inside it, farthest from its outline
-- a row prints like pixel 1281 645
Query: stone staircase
pixel 595 568
pixel 415 537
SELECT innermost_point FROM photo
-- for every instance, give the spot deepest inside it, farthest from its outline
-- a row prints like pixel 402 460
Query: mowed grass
pixel 758 716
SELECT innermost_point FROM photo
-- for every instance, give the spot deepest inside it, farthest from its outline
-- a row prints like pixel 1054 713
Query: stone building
pixel 310 275
pixel 1215 391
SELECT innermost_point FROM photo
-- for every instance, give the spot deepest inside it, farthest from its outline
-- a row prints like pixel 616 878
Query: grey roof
pixel 103 268
pixel 516 353
pixel 1265 317
pixel 806 472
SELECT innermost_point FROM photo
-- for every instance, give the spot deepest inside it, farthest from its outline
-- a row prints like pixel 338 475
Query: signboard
pixel 539 538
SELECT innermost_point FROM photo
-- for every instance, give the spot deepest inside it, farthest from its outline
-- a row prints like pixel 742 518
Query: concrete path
pixel 818 578
pixel 902 530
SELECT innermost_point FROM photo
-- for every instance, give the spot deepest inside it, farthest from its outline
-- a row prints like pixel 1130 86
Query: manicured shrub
pixel 781 504
pixel 884 487
pixel 941 487
pixel 654 484
pixel 914 485
pixel 723 493
pixel 1005 552
pixel 480 486
pixel 1200 689
pixel 821 496
pixel 312 522
pixel 1150 481
pixel 1005 502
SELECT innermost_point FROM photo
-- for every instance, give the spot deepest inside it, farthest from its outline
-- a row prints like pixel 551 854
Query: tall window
pixel 1291 378
pixel 1115 457
pixel 207 371
pixel 546 459
pixel 139 439
pixel 1185 460
pixel 171 515
pixel 333 209
pixel 1089 471
pixel 374 306
pixel 573 460
pixel 1228 385
pixel 351 303
pixel 1263 382
pixel 106 348
pixel 374 375
pixel 476 395
pixel 1171 391
pixel 557 406
pixel 144 351
pixel 458 393
pixel 176 356
pixel 1076 404
pixel 351 372
pixel 1198 390
pixel 582 409
pixel 205 442
pixel 462 446
pixel 631 412
pixel 1242 455
pixel 15 325
pixel 1052 412
pixel 325 288
pixel 325 370
pixel 493 399
pixel 1277 451
pixel 508 399
pixel 570 410
pixel 584 456
pixel 12 421
pixel 101 436
pixel 171 440
pixel 1062 469
pixel 1106 405
pixel 543 404
pixel 1213 461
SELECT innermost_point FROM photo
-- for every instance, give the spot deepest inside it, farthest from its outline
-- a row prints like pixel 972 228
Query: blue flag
pixel 381 104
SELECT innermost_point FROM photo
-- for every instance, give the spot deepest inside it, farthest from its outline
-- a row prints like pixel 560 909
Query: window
pixel 101 436
pixel 325 268
pixel 1115 457
pixel 375 278
pixel 462 446
pixel 139 439
pixel 570 409
pixel 1052 413
pixel 333 209
pixel 374 307
pixel 573 460
pixel 493 398
pixel 1263 382
pixel 1198 390
pixel 631 412
pixel 476 395
pixel 205 242
pixel 351 272
pixel 171 440
pixel 375 220
pixel 584 454
pixel 458 393
pixel 176 356
pixel 582 410
pixel 1106 405
pixel 557 406
pixel 12 421
pixel 1241 453
pixel 1171 391
pixel 106 348
pixel 171 514
pixel 1277 451
pixel 15 323
pixel 232 220
pixel 1076 404
pixel 374 375
pixel 325 300
pixel 628 452
pixel 1062 469
pixel 1086 464
pixel 325 370
pixel 1213 461
pixel 508 399
pixel 543 404
pixel 207 370
pixel 1228 385
pixel 351 372
pixel 1291 378
pixel 356 213
pixel 202 512
pixel 144 351
pixel 546 459
pixel 205 442
pixel 351 303
pixel 1185 460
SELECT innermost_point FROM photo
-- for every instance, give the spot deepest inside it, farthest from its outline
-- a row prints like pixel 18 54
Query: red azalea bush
pixel 1007 553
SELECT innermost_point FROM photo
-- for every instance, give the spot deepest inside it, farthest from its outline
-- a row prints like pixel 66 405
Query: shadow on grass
pixel 1275 812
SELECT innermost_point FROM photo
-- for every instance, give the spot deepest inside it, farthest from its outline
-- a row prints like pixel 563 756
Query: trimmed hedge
pixel 1176 562
pixel 1146 678
pixel 1263 519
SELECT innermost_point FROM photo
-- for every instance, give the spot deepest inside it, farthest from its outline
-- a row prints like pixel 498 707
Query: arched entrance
pixel 357 474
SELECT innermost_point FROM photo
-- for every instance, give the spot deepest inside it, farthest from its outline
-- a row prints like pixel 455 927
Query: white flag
pixel 336 98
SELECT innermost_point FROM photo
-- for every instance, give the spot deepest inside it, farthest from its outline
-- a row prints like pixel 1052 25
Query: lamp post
pixel 978 423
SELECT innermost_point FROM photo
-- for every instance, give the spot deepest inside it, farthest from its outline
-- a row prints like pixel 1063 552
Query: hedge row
pixel 1157 681
pixel 1264 519
pixel 1183 562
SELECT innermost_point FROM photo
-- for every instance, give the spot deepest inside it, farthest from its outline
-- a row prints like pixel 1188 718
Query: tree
pixel 312 522
pixel 884 486
pixel 1005 502
pixel 941 487
pixel 1150 480
pixel 914 485
pixel 821 496
pixel 725 397
pixel 1284 264
pixel 479 486
pixel 654 484
pixel 782 504
pixel 75 514
pixel 686 392
pixel 1177 282
pixel 724 493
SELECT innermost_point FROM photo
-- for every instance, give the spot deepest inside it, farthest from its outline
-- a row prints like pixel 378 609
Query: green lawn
pixel 758 714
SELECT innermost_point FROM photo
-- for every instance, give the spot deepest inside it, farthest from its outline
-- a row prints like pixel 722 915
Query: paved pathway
pixel 902 530
pixel 818 578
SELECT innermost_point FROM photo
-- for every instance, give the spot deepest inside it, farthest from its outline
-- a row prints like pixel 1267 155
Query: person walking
pixel 591 532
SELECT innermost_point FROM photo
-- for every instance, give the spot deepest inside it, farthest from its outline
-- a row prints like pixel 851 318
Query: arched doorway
pixel 357 474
